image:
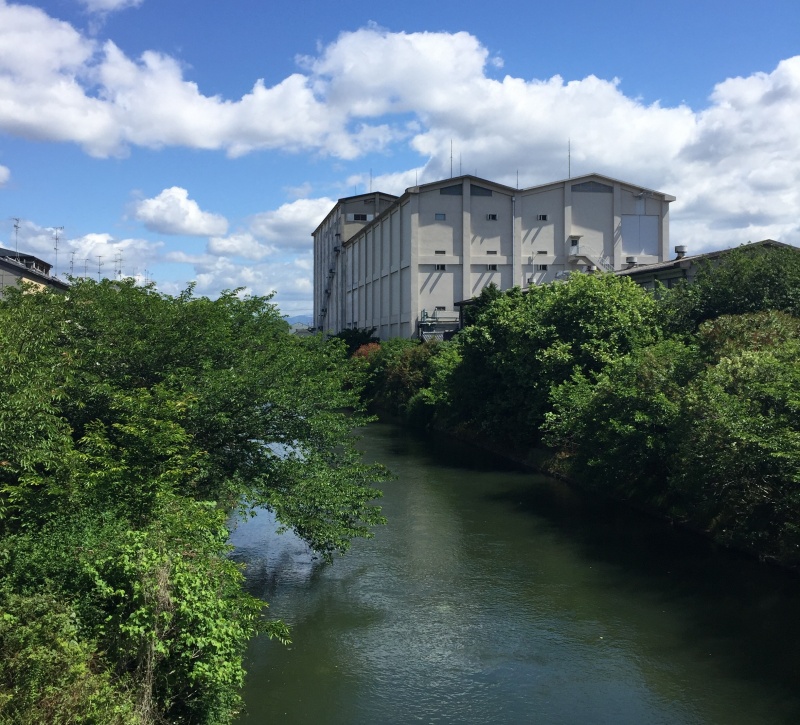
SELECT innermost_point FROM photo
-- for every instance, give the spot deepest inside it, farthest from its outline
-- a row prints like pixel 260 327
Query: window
pixel 455 190
pixel 541 218
pixel 439 267
pixel 491 267
pixel 440 309
pixel 439 217
pixel 476 190
pixel 359 217
pixel 439 251
pixel 541 267
pixel 541 251
pixel 491 251
pixel 491 217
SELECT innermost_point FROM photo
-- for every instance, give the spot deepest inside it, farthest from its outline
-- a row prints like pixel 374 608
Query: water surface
pixel 499 596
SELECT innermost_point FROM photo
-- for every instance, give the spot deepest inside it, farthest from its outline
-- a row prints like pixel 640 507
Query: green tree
pixel 131 423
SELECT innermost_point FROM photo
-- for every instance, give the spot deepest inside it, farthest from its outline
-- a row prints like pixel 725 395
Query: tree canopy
pixel 131 424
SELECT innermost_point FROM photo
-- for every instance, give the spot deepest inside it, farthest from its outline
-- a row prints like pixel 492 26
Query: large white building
pixel 399 264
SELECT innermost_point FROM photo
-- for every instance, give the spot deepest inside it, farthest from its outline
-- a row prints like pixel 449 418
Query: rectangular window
pixel 541 218
pixel 491 251
pixel 440 309
pixel 439 267
pixel 439 251
pixel 541 267
pixel 455 190
pixel 439 217
pixel 359 217
pixel 541 251
pixel 491 217
pixel 491 267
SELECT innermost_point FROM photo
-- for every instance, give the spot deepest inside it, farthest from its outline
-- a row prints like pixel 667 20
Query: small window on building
pixel 359 217
pixel 541 267
pixel 440 217
pixel 491 267
pixel 439 251
pixel 574 242
pixel 440 309
pixel 476 190
pixel 455 190
pixel 491 251
pixel 491 217
pixel 541 251
pixel 440 267
pixel 541 217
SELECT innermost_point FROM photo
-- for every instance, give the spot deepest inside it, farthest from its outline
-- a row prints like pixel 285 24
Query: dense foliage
pixel 131 423
pixel 686 402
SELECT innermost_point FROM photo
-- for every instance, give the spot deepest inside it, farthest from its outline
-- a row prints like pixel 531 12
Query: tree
pixel 132 422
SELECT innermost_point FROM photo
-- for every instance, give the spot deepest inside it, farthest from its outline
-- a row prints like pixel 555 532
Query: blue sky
pixel 205 140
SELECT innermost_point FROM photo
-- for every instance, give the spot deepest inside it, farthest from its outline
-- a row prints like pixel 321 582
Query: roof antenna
pixel 451 158
pixel 55 233
pixel 370 181
pixel 16 236
pixel 569 158
pixel 99 264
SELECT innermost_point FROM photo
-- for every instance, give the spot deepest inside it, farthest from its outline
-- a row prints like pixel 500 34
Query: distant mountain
pixel 303 319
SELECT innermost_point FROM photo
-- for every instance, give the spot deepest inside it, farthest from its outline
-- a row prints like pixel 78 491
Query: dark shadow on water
pixel 743 613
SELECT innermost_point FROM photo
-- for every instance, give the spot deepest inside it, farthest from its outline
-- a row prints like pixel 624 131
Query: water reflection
pixel 497 596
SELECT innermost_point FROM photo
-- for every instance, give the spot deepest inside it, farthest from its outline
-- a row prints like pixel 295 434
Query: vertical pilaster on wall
pixel 616 250
pixel 664 232
pixel 466 240
pixel 413 252
pixel 516 244
pixel 567 220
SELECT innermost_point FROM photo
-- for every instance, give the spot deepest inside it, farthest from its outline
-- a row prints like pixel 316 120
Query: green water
pixel 499 596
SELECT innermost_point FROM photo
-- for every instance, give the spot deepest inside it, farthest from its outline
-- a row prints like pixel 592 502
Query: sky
pixel 189 141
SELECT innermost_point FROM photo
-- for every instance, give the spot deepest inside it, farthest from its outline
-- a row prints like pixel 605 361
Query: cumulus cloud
pixel 173 212
pixel 243 244
pixel 290 225
pixel 5 175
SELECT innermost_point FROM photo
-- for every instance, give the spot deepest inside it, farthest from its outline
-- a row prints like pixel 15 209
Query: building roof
pixel 27 265
pixel 691 260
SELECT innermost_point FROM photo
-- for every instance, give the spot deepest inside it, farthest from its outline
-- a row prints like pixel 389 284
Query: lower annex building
pixel 399 264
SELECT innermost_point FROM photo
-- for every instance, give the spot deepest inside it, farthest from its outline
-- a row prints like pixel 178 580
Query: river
pixel 495 595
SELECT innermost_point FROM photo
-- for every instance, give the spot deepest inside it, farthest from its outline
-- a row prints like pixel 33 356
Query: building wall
pixel 405 268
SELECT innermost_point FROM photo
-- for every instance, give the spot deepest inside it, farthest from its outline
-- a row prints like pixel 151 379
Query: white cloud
pixel 101 252
pixel 107 6
pixel 5 175
pixel 243 244
pixel 173 212
pixel 290 226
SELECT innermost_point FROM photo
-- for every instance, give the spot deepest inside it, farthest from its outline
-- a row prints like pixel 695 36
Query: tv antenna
pixel 118 265
pixel 16 236
pixel 72 263
pixel 56 230
pixel 99 264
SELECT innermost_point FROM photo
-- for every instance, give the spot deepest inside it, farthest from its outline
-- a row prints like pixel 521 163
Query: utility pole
pixel 99 264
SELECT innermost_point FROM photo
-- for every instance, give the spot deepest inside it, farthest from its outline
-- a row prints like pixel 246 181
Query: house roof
pixel 690 260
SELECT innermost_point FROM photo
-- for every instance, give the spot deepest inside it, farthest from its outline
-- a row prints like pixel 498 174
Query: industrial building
pixel 400 264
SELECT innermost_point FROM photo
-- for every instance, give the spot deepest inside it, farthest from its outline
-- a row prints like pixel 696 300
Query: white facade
pixel 400 264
